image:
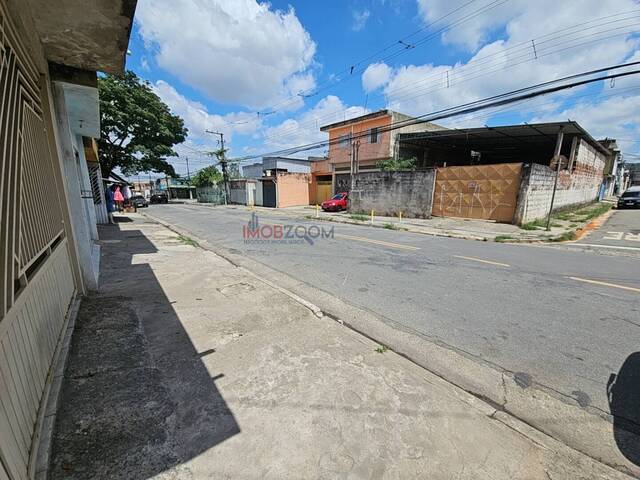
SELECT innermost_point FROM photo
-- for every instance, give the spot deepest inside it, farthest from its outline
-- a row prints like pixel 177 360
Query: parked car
pixel 630 198
pixel 139 201
pixel 336 203
pixel 159 198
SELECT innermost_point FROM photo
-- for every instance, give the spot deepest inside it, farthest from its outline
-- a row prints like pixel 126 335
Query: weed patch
pixel 381 349
pixel 503 238
pixel 188 241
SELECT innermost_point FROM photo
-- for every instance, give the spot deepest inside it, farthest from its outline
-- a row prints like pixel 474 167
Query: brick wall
pixel 575 187
pixel 391 192
pixel 293 189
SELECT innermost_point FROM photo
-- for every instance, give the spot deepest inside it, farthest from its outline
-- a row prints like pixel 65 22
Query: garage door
pixel 487 192
pixel 323 191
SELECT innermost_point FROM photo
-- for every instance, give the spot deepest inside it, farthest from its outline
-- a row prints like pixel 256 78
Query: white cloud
pixel 360 18
pixel 305 128
pixel 375 76
pixel 576 38
pixel 197 119
pixel 472 25
pixel 233 51
pixel 605 118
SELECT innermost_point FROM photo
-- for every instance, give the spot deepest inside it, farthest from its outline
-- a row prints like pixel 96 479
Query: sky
pixel 269 75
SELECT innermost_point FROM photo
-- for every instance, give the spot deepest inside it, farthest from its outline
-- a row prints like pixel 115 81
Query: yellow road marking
pixel 482 261
pixel 377 242
pixel 606 284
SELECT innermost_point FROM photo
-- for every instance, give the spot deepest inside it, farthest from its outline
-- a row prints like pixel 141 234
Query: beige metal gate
pixel 487 192
pixel 323 191
pixel 36 279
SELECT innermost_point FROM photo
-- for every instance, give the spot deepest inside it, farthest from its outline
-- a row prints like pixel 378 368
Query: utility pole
pixel 223 162
pixel 556 157
pixel 188 173
pixel 355 146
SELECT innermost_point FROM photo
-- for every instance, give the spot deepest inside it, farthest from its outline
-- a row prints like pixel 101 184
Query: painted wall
pixel 78 186
pixel 252 171
pixel 388 193
pixel 255 170
pixel 576 187
pixel 341 154
pixel 293 189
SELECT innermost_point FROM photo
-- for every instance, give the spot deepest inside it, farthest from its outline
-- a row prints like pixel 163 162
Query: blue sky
pixel 270 74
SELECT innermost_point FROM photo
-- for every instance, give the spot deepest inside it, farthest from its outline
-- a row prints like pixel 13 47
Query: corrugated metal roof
pixel 531 133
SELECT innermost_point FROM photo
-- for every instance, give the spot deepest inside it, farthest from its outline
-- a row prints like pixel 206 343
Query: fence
pixel 389 193
pixel 488 192
pixel 212 195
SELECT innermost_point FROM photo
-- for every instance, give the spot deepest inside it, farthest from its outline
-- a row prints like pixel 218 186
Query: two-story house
pixel 367 139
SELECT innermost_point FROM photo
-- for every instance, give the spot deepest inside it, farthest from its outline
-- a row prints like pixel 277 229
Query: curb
pixel 51 396
pixel 509 397
pixel 594 224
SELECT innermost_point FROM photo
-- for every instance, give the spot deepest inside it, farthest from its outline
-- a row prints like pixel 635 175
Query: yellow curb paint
pixel 482 261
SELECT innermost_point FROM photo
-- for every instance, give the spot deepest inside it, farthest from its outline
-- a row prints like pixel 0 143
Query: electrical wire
pixel 544 52
pixel 496 100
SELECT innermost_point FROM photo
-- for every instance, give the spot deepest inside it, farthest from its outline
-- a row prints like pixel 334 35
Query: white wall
pixel 574 188
pixel 76 177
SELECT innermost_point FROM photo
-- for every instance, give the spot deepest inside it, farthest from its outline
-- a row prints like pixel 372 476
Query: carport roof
pixel 528 134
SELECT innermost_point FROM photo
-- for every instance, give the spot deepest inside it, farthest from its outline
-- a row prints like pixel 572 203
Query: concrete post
pixel 556 156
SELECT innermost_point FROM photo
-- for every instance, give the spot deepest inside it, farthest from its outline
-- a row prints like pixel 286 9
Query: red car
pixel 336 203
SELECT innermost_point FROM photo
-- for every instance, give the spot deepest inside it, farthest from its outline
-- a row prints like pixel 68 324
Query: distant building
pixel 368 140
pixel 176 188
pixel 276 164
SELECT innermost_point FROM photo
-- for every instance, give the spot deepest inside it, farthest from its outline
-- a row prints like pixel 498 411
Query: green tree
pixel 392 165
pixel 137 131
pixel 207 177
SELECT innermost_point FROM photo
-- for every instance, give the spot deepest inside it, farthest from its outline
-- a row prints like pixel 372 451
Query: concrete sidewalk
pixel 185 366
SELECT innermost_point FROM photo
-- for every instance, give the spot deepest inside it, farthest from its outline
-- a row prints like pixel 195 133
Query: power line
pixel 474 64
pixel 351 69
pixel 496 100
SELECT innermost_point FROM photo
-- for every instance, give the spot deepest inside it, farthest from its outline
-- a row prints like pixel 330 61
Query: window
pixel 345 141
pixel 373 136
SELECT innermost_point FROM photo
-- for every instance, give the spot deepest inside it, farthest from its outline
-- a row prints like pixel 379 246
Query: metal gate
pixel 323 191
pixel 269 194
pixel 487 192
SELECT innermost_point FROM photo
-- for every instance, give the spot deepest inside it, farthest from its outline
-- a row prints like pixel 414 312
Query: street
pixel 620 232
pixel 565 319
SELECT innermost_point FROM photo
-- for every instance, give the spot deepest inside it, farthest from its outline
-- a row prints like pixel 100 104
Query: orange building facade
pixel 366 139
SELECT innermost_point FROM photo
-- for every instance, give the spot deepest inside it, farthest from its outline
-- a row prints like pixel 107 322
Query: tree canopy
pixel 207 177
pixel 138 131
pixel 392 165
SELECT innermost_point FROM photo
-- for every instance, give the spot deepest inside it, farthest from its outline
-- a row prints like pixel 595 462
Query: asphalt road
pixel 622 229
pixel 569 319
